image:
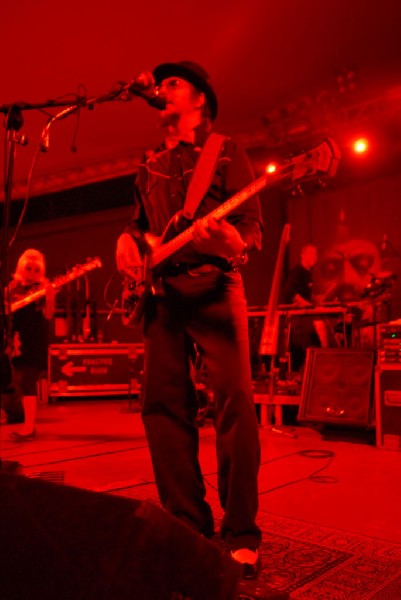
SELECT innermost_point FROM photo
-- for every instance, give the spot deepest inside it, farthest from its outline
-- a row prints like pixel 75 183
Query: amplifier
pixel 388 406
pixel 94 369
pixel 389 343
pixel 337 387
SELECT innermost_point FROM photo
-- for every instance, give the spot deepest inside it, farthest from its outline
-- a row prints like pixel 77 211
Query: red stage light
pixel 361 145
pixel 271 168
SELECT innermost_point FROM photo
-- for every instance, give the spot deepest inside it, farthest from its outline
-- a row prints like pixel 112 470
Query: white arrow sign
pixel 68 369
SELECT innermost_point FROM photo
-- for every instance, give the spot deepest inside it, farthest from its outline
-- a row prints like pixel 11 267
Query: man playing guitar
pixel 198 300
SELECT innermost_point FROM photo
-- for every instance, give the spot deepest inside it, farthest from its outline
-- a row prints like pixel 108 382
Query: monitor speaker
pixel 337 387
pixel 66 543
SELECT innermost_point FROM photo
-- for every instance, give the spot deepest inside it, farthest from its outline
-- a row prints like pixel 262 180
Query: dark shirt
pixel 30 330
pixel 162 182
pixel 299 282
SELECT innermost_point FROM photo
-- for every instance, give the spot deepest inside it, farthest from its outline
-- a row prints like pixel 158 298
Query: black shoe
pixel 209 534
pixel 22 437
pixel 250 561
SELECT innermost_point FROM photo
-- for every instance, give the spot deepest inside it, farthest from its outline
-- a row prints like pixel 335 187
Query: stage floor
pixel 99 445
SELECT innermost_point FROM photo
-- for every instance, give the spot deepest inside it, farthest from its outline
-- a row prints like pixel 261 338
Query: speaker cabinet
pixel 64 543
pixel 388 406
pixel 337 387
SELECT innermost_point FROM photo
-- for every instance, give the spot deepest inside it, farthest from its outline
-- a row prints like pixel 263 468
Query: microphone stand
pixel 122 92
pixel 14 122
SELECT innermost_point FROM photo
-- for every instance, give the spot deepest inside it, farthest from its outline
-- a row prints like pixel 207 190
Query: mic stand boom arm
pixel 124 92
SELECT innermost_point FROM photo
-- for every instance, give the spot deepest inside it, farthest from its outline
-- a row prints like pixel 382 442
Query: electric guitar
pixel 57 283
pixel 322 160
pixel 269 337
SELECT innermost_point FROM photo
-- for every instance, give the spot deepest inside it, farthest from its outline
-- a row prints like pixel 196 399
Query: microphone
pixel 45 139
pixel 143 85
pixel 386 248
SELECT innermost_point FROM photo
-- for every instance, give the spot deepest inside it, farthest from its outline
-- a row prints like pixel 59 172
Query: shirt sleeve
pixel 138 224
pixel 291 286
pixel 247 218
pixel 298 283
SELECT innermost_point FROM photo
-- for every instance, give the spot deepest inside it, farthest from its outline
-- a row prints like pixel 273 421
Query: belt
pixel 189 269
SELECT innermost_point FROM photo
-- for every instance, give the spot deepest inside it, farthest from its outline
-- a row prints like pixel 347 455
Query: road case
pixel 94 369
pixel 388 406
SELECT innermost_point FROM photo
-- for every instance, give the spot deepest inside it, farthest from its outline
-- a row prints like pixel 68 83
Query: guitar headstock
pixel 91 263
pixel 286 234
pixel 322 160
pixel 77 271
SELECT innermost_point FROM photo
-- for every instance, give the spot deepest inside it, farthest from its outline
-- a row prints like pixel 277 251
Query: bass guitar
pixel 57 283
pixel 322 160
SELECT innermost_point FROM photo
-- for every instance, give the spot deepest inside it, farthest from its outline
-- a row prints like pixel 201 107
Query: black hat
pixel 193 73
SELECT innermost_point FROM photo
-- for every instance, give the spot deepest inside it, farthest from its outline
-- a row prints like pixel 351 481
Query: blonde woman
pixel 29 335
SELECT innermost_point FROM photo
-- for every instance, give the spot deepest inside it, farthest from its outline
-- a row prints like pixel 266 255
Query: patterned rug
pixel 314 563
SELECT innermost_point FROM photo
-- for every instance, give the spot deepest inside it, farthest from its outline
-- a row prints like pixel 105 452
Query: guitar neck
pixel 163 252
pixel 27 300
pixel 56 284
pixel 321 160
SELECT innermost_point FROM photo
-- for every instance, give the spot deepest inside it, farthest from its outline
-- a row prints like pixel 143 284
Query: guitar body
pixel 136 291
pixel 133 304
pixel 134 297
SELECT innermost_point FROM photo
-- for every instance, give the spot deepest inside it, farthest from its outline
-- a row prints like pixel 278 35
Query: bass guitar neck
pixel 57 283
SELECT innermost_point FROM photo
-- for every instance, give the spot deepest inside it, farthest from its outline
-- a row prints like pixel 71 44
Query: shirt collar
pixel 196 137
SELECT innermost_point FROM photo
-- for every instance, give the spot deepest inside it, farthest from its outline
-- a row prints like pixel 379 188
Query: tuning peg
pixel 321 183
pixel 297 191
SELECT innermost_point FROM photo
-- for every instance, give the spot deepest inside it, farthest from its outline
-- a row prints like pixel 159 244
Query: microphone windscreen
pixel 145 80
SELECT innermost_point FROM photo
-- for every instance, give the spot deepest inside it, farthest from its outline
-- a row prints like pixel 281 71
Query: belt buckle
pixel 201 270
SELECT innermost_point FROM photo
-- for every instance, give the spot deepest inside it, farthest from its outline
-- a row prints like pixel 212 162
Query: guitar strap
pixel 203 174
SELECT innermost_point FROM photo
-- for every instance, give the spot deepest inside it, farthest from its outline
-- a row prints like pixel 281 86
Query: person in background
pixel 298 288
pixel 200 301
pixel 305 331
pixel 28 346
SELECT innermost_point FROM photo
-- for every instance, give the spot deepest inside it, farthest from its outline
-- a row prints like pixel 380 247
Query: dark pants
pixel 23 383
pixel 208 310
pixel 302 336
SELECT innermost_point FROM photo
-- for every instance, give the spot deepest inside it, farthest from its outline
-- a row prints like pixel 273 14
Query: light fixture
pixel 271 167
pixel 360 145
